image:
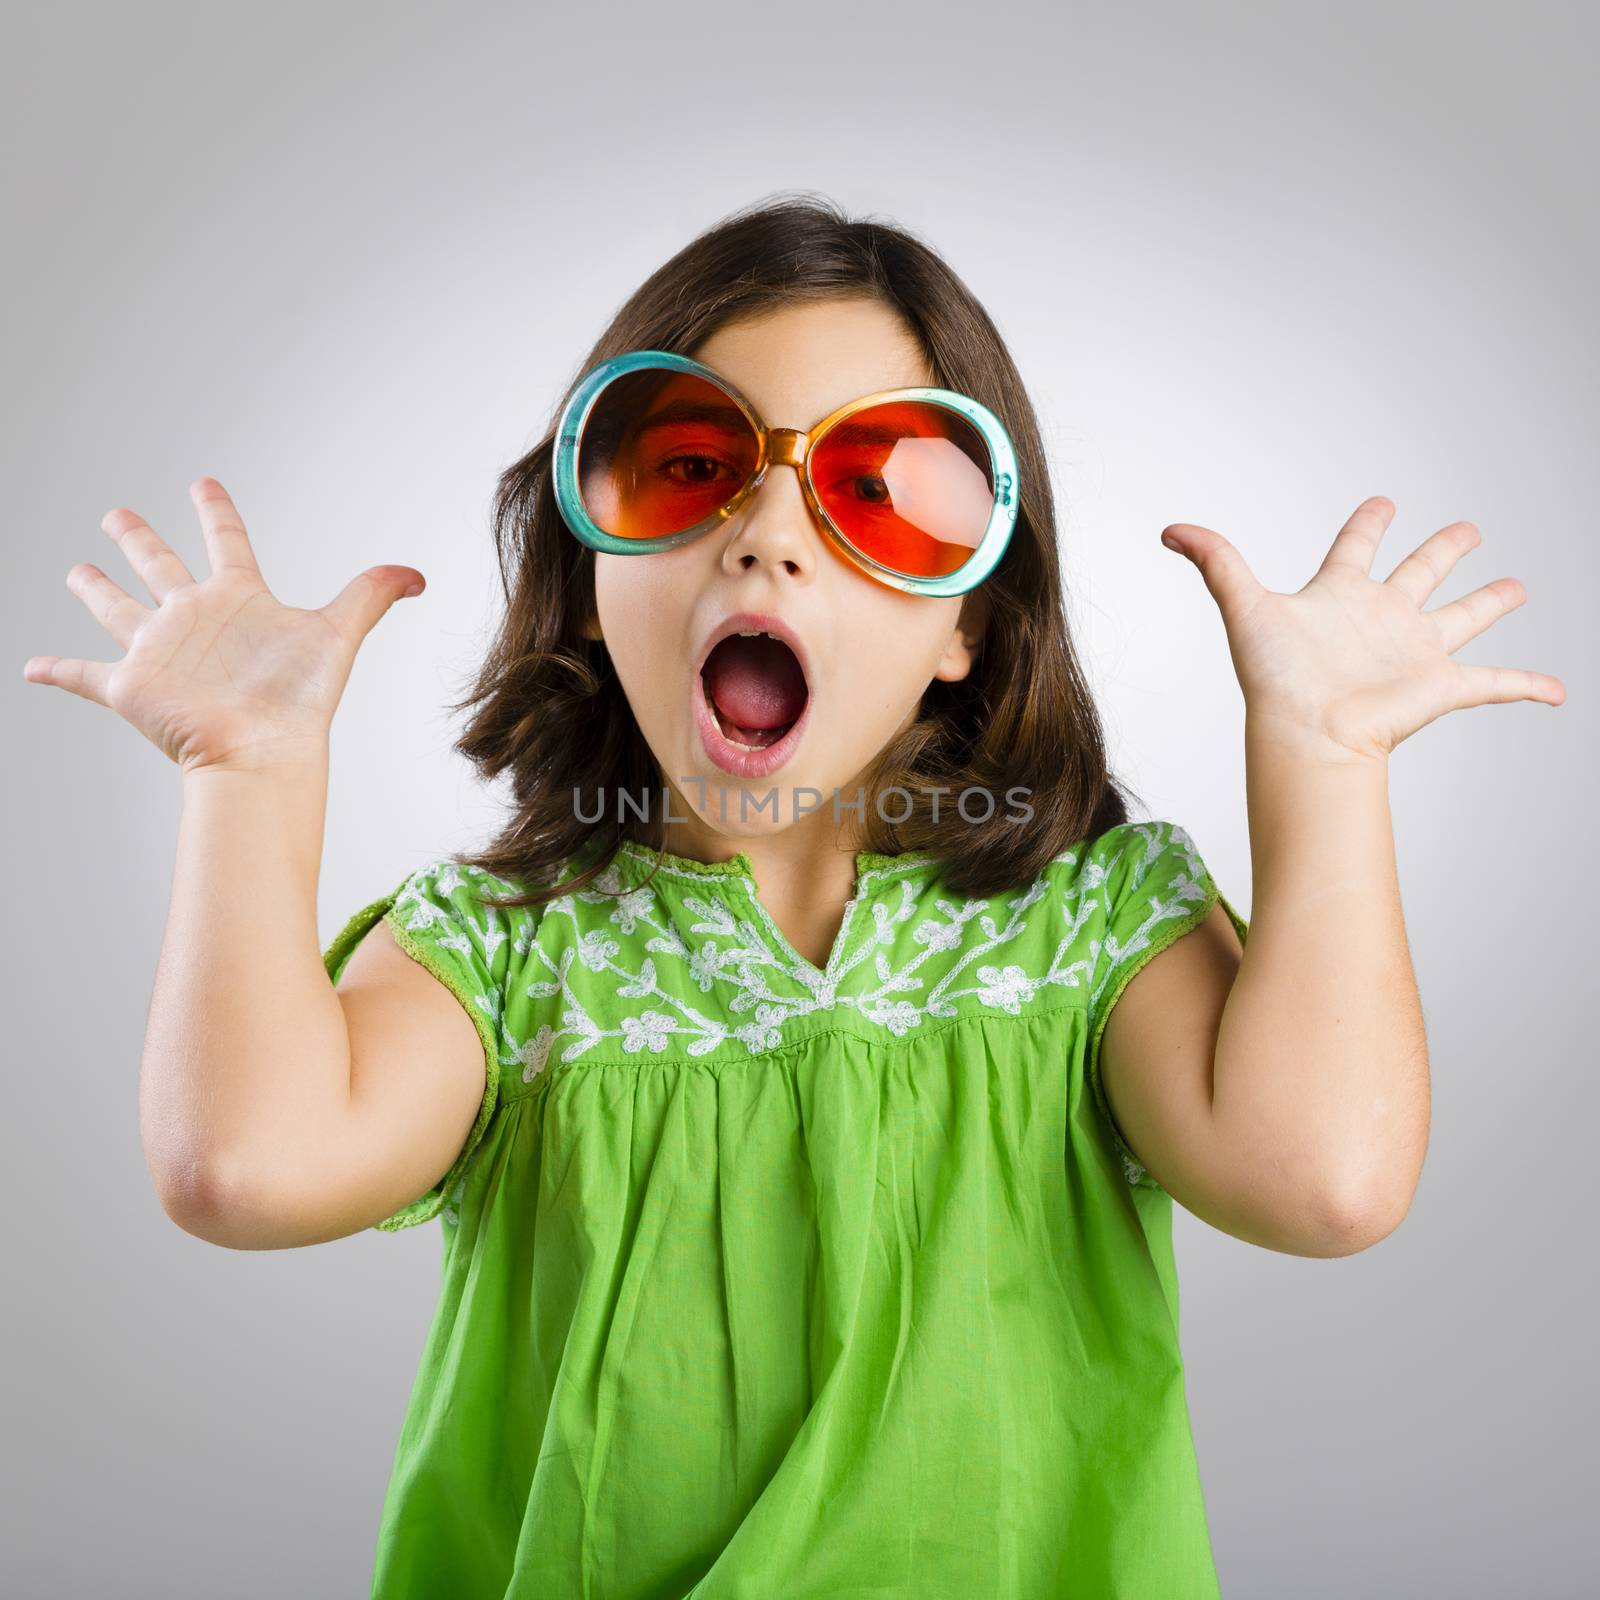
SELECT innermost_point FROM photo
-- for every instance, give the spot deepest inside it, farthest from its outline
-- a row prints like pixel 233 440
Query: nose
pixel 775 527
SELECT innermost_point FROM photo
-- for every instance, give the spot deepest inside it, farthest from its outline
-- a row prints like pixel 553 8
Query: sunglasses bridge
pixel 786 447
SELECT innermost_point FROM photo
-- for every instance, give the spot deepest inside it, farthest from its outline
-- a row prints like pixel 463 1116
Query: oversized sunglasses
pixel 917 487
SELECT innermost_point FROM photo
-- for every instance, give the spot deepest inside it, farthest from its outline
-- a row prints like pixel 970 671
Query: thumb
pixel 358 607
pixel 1231 582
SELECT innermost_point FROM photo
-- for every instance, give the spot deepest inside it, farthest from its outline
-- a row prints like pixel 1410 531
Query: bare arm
pixel 1322 1059
pixel 274 1110
pixel 246 1046
pixel 1301 1108
pixel 1280 1091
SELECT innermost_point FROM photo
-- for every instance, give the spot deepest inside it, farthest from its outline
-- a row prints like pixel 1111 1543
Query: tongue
pixel 756 683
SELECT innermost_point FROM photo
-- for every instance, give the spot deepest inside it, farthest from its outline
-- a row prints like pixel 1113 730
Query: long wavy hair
pixel 548 708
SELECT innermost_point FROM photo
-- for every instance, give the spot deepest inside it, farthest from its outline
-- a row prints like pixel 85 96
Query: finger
pixel 1481 686
pixel 1232 584
pixel 1429 564
pixel 109 603
pixel 147 554
pixel 227 543
pixel 1467 617
pixel 357 608
pixel 89 680
pixel 1356 543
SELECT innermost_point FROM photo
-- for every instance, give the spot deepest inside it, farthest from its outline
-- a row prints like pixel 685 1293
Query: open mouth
pixel 755 689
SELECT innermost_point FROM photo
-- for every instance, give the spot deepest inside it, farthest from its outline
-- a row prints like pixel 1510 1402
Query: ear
pixel 971 625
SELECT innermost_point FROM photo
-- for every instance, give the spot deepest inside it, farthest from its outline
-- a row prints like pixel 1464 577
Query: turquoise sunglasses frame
pixel 791 447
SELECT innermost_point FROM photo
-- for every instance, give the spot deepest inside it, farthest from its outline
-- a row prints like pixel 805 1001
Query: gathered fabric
pixel 761 1278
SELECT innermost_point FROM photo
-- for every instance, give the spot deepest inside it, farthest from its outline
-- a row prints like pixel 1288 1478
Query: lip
pixel 735 762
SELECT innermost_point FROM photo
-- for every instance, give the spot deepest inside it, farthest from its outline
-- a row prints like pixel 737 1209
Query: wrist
pixel 290 775
pixel 290 759
pixel 1272 736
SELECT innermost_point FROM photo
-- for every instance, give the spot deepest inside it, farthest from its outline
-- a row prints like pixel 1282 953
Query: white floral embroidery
pixel 630 908
pixel 1186 891
pixel 536 1052
pixel 1005 987
pixel 705 966
pixel 745 957
pixel 427 917
pixel 903 956
pixel 596 950
pixel 644 984
pixel 649 1031
pixel 898 1016
pixel 447 877
pixel 452 1207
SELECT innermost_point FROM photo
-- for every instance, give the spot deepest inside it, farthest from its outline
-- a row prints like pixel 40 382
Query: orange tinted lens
pixel 908 483
pixel 661 451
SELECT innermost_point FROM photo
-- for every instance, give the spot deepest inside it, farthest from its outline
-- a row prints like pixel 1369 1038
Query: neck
pixel 804 871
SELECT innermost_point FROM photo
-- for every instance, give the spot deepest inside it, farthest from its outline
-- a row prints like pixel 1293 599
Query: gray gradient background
pixel 1256 263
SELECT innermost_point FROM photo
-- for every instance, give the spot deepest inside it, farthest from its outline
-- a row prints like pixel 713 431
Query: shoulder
pixel 457 906
pixel 1127 894
pixel 1130 860
pixel 1123 855
pixel 1165 957
pixel 1139 869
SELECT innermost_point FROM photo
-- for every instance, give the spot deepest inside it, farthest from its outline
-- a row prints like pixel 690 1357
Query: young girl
pixel 803 1145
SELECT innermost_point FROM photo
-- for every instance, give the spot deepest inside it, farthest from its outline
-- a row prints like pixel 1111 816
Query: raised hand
pixel 1349 666
pixel 219 673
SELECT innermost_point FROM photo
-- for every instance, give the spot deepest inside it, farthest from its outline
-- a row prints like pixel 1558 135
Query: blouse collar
pixel 875 873
pixel 738 870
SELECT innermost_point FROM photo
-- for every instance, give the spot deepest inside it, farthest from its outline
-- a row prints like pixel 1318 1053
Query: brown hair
pixel 551 712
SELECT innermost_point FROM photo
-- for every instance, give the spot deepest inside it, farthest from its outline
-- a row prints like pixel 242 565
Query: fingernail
pixel 415 589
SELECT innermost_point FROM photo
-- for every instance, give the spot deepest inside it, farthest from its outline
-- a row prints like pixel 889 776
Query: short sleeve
pixel 435 916
pixel 1151 888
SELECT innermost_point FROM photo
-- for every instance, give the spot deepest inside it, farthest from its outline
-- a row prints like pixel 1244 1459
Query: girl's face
pixel 868 651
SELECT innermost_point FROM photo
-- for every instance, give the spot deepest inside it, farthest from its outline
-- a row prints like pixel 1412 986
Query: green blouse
pixel 765 1280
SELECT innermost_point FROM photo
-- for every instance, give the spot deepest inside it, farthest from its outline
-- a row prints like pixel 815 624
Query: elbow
pixel 1356 1216
pixel 198 1195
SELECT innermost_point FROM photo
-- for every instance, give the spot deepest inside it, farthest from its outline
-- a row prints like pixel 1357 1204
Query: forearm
pixel 246 1046
pixel 1321 1069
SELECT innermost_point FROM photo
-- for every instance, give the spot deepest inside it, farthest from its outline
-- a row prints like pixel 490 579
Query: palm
pixel 224 668
pixel 1353 664
pixel 219 672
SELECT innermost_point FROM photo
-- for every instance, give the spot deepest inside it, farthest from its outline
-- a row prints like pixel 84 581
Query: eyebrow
pixel 846 432
pixel 868 433
pixel 690 411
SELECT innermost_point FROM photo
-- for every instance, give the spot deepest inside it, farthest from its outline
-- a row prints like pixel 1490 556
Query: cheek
pixel 640 608
pixel 913 629
pixel 619 603
pixel 893 651
pixel 615 580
